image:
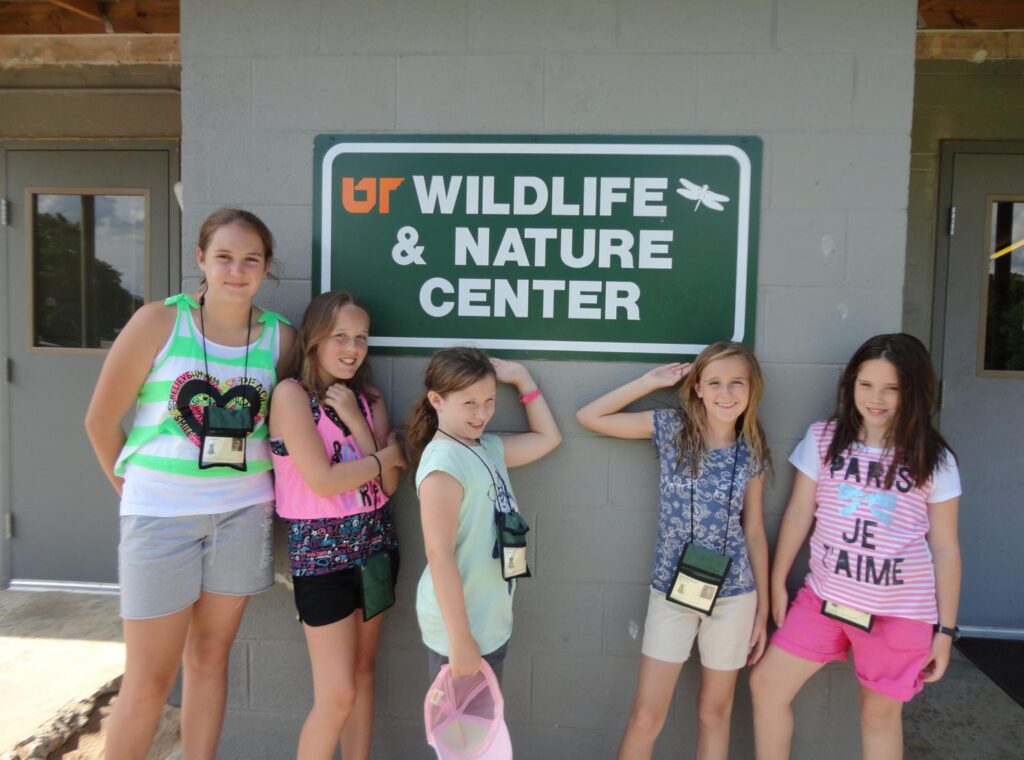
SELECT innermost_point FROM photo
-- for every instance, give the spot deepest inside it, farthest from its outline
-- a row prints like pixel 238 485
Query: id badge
pixel 849 615
pixel 224 437
pixel 700 575
pixel 512 530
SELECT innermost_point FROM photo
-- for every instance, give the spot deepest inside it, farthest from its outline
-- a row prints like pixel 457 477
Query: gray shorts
pixel 165 562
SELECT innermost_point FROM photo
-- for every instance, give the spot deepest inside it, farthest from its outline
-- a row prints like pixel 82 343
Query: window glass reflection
pixel 1004 320
pixel 89 262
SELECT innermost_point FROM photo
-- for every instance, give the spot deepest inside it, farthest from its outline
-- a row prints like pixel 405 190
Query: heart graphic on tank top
pixel 193 391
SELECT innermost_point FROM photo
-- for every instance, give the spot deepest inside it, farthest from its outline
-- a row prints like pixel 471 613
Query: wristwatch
pixel 953 633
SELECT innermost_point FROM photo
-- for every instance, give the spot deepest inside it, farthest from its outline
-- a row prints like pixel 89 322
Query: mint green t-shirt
pixel 487 596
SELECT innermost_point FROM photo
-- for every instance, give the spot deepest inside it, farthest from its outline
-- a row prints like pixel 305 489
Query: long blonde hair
pixel 317 324
pixel 692 436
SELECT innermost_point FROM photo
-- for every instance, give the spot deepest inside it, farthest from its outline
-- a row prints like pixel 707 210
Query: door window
pixel 1002 344
pixel 88 254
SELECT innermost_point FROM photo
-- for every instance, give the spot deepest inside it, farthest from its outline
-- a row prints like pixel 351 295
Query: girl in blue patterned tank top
pixel 712 461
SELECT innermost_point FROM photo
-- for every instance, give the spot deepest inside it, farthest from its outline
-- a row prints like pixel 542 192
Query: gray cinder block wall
pixel 827 84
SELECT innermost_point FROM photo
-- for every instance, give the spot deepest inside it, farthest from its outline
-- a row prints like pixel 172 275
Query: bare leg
pixel 332 655
pixel 215 620
pixel 358 731
pixel 714 711
pixel 774 682
pixel 655 686
pixel 881 726
pixel 153 653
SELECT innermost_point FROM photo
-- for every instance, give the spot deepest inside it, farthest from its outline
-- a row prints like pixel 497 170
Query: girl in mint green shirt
pixel 463 604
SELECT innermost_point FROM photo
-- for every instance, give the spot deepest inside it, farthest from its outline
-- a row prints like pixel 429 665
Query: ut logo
pixel 368 189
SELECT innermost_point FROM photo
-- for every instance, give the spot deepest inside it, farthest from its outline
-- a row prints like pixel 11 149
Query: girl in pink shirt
pixel 881 488
pixel 335 464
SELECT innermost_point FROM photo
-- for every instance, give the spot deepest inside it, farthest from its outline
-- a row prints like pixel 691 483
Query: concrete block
pixel 802 248
pixel 968 85
pixel 235 28
pixel 920 235
pixel 402 740
pixel 559 616
pixel 625 608
pixel 843 705
pixel 552 741
pixel 876 243
pixel 280 677
pixel 833 25
pixel 288 297
pixel 884 93
pixel 599 545
pixel 810 708
pixel 699 26
pixel 259 167
pixel 582 691
pixel 772 91
pixel 825 325
pixel 195 180
pixel 575 475
pixel 683 713
pixel 254 735
pixel 776 493
pixel 218 93
pixel 917 303
pixel 272 615
pixel 392 26
pixel 517 679
pixel 538 25
pixel 795 396
pixel 493 93
pixel 633 475
pixel 344 94
pixel 238 676
pixel 400 629
pixel 624 93
pixel 841 171
pixel 407 682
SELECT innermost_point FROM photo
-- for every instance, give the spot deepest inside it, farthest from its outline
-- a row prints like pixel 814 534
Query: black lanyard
pixel 728 513
pixel 482 461
pixel 248 337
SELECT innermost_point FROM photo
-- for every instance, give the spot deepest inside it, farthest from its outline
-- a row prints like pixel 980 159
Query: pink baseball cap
pixel 465 717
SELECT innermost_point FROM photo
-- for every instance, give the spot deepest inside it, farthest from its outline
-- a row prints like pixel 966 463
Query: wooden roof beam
pixel 90 17
pixel 33 51
pixel 89 9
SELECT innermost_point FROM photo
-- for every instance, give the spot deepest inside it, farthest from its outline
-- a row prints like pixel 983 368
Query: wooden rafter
pixel 95 17
pixel 33 50
pixel 971 14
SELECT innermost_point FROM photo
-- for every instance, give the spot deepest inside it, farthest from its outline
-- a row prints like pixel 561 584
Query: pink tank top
pixel 296 500
pixel 869 548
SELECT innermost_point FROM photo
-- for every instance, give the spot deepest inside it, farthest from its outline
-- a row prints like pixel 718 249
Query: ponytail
pixel 419 429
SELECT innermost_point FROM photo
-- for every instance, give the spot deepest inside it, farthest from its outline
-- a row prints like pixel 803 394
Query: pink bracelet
pixel 533 395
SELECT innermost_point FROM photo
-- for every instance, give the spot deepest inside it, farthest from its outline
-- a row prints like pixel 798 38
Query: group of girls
pixel 205 463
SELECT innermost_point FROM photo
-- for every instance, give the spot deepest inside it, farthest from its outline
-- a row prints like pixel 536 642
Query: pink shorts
pixel 888 660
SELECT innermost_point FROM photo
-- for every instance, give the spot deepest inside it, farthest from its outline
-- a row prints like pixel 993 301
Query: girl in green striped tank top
pixel 195 534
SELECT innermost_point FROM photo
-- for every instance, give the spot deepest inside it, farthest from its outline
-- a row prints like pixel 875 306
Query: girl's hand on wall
pixel 758 638
pixel 667 375
pixel 344 402
pixel 513 373
pixel 938 658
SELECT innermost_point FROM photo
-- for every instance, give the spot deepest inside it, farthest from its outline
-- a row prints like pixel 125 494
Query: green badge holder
pixel 512 530
pixel 377 585
pixel 699 578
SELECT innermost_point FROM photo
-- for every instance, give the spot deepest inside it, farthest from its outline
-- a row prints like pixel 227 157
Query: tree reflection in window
pixel 89 267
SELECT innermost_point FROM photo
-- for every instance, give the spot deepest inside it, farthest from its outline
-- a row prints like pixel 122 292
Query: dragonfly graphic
pixel 701 194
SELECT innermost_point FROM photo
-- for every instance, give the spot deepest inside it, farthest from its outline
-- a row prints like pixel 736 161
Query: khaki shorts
pixel 723 637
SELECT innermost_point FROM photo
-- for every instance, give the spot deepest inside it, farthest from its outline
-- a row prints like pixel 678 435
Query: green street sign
pixel 571 247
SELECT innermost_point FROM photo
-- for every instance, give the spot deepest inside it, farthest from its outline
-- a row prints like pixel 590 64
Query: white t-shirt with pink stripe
pixel 869 548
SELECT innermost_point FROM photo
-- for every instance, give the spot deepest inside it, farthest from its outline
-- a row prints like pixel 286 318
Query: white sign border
pixel 615 149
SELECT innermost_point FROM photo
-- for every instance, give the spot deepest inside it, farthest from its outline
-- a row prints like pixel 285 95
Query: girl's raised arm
pixel 757 552
pixel 124 371
pixel 544 434
pixel 796 524
pixel 945 546
pixel 440 501
pixel 603 415
pixel 292 422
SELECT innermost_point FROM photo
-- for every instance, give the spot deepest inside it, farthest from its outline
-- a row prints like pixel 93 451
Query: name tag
pixel 514 561
pixel 700 575
pixel 223 450
pixel 849 615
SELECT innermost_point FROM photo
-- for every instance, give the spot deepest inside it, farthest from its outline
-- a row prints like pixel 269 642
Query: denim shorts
pixel 164 563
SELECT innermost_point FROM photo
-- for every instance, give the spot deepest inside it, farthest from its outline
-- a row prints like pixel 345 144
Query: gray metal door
pixel 87 241
pixel 983 375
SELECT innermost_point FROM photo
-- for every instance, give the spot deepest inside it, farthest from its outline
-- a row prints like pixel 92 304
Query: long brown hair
pixel 317 324
pixel 692 436
pixel 915 442
pixel 450 370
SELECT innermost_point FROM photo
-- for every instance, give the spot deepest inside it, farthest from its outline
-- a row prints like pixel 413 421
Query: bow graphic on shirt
pixel 882 505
